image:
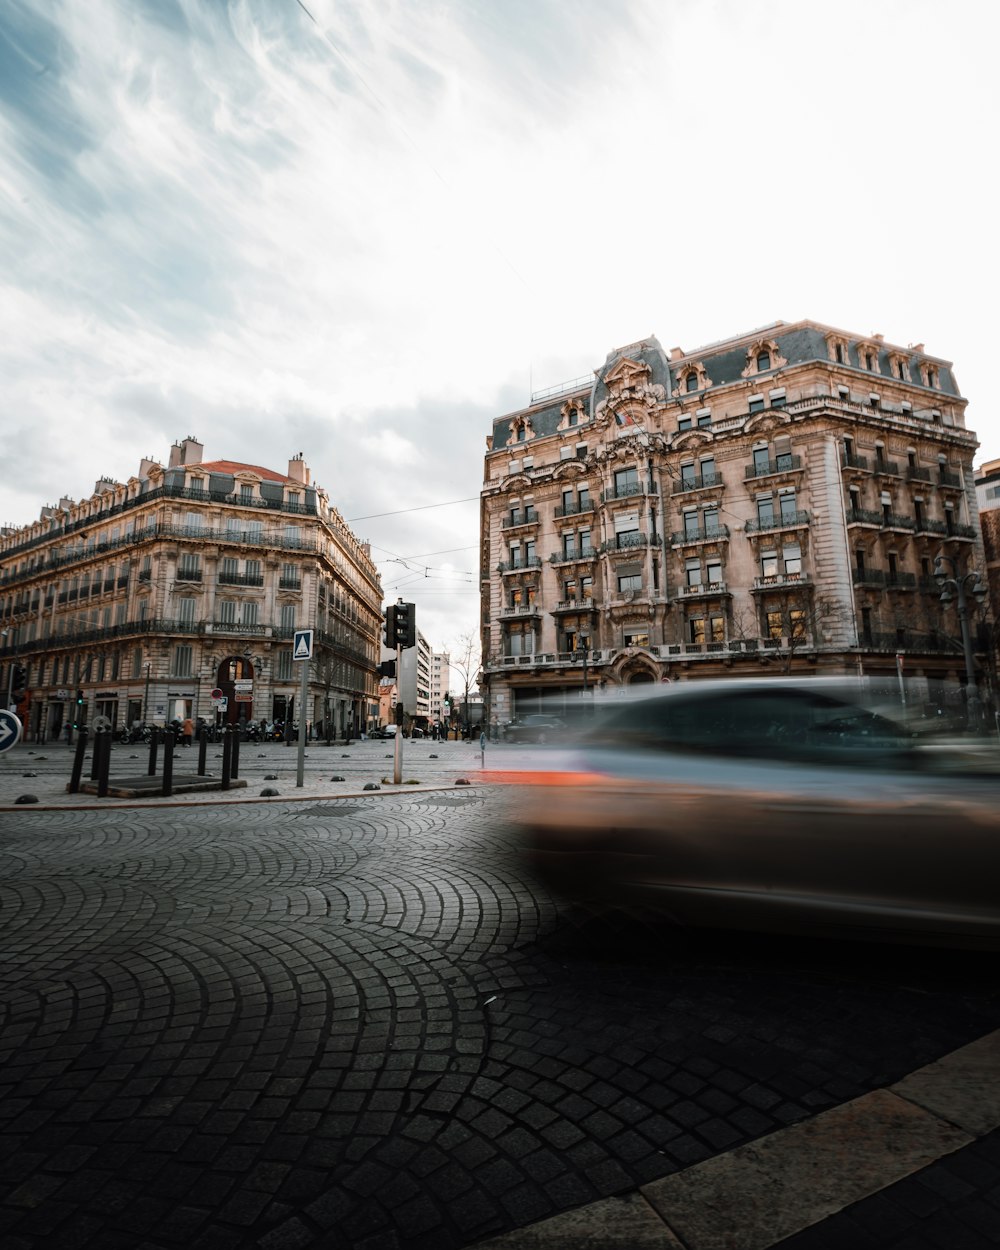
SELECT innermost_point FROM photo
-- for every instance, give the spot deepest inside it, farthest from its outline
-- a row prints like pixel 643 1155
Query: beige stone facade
pixel 190 577
pixel 771 502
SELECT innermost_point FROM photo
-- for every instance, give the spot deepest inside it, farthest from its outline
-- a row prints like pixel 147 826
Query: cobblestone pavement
pixel 354 1022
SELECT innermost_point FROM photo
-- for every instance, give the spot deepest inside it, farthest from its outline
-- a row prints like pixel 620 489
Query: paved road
pixel 356 1023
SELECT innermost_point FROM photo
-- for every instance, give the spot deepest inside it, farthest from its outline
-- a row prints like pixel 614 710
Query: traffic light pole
pixel 397 747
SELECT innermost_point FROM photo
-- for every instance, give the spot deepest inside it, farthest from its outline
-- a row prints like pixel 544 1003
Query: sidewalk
pixel 329 772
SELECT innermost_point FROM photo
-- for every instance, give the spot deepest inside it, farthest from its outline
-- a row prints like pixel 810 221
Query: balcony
pixel 788 520
pixel 518 611
pixel 235 627
pixel 783 464
pixel 145 575
pixel 575 606
pixel 631 541
pixel 574 509
pixel 700 534
pixel 516 566
pixel 703 482
pixel 189 575
pixel 781 581
pixel 885 468
pixel 947 478
pixel 241 579
pixel 914 473
pixel 850 461
pixel 885 579
pixel 530 517
pixel 704 590
pixel 626 490
pixel 924 526
pixel 289 583
pixel 569 557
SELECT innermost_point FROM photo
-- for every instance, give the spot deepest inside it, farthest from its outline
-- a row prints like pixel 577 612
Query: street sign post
pixel 302 649
pixel 10 730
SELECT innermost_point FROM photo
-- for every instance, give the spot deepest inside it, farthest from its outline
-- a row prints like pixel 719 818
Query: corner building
pixel 190 577
pixel 772 502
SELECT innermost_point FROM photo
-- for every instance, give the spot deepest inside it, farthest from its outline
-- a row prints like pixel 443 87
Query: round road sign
pixel 216 694
pixel 10 730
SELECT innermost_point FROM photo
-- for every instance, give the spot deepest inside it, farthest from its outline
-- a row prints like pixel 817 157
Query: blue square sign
pixel 302 646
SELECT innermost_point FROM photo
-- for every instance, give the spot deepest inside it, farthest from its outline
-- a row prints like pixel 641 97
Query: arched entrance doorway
pixel 234 678
pixel 641 678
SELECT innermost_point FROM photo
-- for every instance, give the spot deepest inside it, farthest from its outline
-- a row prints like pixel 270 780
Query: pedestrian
pixel 187 731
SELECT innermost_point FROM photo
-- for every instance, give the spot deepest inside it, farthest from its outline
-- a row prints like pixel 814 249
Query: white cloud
pixel 364 238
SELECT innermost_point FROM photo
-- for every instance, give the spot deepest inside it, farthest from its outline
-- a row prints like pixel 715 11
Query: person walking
pixel 187 731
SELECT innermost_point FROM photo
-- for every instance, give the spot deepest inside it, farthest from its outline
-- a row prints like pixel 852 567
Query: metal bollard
pixel 227 756
pixel 234 763
pixel 154 742
pixel 104 764
pixel 81 746
pixel 168 762
pixel 95 755
pixel 202 750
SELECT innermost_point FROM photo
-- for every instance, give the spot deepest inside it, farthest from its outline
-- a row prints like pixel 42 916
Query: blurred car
pixel 535 728
pixel 779 805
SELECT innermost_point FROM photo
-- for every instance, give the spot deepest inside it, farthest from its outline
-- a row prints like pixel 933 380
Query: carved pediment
pixel 762 422
pixel 569 468
pixel 691 440
pixel 517 481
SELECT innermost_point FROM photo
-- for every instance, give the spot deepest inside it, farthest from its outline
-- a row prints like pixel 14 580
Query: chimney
pixel 176 456
pixel 103 484
pixel 191 450
pixel 65 504
pixel 298 469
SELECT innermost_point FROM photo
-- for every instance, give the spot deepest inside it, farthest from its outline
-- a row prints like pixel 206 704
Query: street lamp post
pixel 957 587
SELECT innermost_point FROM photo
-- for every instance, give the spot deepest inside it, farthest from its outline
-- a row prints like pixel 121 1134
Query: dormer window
pixel 763 361
pixel 691 382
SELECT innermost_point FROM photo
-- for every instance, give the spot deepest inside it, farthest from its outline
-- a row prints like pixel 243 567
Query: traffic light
pixel 387 669
pixel 406 625
pixel 79 698
pixel 18 683
pixel 389 626
pixel 78 720
pixel 400 628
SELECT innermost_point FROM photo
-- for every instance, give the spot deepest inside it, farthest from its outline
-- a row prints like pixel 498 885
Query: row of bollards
pixel 100 764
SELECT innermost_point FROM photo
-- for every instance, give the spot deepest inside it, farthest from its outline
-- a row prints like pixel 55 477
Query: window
pixel 838 353
pixel 787 504
pixel 713 570
pixel 859 560
pixel 186 610
pixel 569 590
pixel 769 564
pixel 691 524
pixel 763 361
pixel 283 667
pixel 529 552
pixel 246 492
pixel 765 510
pixel 687 473
pixel 777 399
pixel 717 629
pixel 584 498
pixel 692 572
pixel 136 663
pixel 189 567
pixel 626 482
pixel 707 466
pixel 696 630
pixel 586 587
pixel 684 423
pixel 774 624
pixel 568 547
pixel 287 616
pixel 227 612
pixel 704 418
pixel 565 453
pixel 182 660
pixel 629 582
pixel 797 623
pixel 229 569
pixel 792 559
pixel 250 613
pixel 293 535
pixel 756 404
pixel 691 383
pixel 710 520
pixel 761 461
pixel 585 548
pixel 636 638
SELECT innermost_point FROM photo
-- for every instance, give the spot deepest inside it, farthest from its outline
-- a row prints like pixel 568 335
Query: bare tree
pixel 466 661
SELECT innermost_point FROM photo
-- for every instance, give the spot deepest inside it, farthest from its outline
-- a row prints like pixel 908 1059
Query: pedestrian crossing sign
pixel 302 647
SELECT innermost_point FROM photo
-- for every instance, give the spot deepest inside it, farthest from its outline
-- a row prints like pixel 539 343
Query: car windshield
pixel 790 724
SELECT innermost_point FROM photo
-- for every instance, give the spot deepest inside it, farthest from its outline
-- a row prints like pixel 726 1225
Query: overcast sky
pixel 361 229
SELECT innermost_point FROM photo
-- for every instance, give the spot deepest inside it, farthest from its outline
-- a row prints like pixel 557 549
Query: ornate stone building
pixel 148 595
pixel 771 502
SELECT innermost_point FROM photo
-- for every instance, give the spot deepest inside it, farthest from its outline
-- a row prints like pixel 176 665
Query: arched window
pixel 691 382
pixel 763 361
